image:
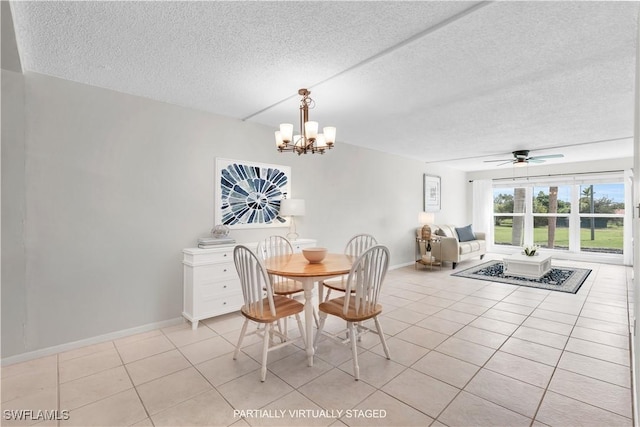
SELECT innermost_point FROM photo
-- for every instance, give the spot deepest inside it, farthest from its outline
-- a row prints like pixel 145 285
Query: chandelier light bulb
pixel 329 135
pixel 279 141
pixel 321 142
pixel 286 132
pixel 311 130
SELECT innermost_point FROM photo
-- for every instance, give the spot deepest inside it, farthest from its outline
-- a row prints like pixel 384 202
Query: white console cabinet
pixel 211 286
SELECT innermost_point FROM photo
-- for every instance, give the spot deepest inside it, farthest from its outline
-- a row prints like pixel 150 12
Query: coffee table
pixel 530 267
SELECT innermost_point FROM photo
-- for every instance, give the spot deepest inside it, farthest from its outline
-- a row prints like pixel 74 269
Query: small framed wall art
pixel 432 202
pixel 248 194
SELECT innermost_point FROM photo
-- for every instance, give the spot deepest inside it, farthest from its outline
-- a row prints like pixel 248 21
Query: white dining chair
pixel 261 305
pixel 354 248
pixel 276 246
pixel 360 300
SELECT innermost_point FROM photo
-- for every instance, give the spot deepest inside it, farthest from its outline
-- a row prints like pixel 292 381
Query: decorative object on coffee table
pixel 530 250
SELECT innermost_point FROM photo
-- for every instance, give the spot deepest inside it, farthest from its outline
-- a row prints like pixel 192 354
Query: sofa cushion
pixel 470 246
pixel 465 234
pixel 446 231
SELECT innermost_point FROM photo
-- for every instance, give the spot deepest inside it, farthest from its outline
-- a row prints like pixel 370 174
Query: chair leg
pixel 286 329
pixel 354 350
pixel 301 329
pixel 323 317
pixel 328 294
pixel 242 332
pixel 268 328
pixel 382 340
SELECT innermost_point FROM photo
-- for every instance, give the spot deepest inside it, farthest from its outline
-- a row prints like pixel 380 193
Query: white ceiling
pixel 449 82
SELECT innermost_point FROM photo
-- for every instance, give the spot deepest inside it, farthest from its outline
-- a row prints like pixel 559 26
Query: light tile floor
pixel 463 352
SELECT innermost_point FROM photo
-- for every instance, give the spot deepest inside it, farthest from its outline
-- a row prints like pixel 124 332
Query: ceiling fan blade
pixel 499 160
pixel 506 162
pixel 548 156
pixel 535 160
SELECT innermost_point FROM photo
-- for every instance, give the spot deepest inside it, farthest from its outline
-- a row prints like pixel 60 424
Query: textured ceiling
pixel 449 82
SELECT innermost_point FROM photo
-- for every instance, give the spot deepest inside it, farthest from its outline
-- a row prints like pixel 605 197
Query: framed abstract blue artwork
pixel 248 194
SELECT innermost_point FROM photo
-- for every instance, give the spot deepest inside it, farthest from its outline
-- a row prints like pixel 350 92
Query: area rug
pixel 562 279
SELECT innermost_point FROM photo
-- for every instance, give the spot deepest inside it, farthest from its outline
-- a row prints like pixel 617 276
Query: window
pixel 551 215
pixel 602 217
pixel 563 216
pixel 508 208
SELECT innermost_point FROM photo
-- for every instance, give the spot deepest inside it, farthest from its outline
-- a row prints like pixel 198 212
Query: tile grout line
pixel 146 411
pixel 557 367
pixel 487 361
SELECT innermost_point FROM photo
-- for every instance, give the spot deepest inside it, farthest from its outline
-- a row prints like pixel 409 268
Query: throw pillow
pixel 465 234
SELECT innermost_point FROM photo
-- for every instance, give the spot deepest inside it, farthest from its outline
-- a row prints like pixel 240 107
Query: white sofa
pixel 452 249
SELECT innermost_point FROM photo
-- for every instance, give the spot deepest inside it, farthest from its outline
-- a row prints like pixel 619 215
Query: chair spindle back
pixel 366 278
pixel 255 281
pixel 358 244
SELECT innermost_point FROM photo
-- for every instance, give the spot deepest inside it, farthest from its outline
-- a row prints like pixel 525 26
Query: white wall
pixel 13 269
pixel 117 185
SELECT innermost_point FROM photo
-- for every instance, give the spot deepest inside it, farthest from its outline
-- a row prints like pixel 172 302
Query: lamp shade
pixel 426 218
pixel 292 207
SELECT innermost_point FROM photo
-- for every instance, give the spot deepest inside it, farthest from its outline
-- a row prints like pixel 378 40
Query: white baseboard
pixel 634 373
pixel 406 264
pixel 23 357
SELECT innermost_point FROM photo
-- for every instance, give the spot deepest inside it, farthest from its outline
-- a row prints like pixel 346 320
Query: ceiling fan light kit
pixel 309 140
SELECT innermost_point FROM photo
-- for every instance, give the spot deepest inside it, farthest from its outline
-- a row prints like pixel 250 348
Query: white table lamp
pixel 426 218
pixel 292 208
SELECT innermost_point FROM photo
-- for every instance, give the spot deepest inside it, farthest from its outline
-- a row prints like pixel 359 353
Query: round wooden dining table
pixel 296 267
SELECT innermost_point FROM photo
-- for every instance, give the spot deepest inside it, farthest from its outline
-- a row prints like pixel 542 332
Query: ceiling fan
pixel 521 158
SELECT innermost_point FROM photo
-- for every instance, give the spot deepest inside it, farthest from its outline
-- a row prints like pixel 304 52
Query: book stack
pixel 212 242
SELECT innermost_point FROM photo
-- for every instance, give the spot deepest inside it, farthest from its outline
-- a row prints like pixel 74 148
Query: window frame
pixel 574 216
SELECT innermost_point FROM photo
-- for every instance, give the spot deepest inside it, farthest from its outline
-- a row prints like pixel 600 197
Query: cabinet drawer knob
pixel 224 271
pixel 225 286
pixel 224 303
pixel 225 255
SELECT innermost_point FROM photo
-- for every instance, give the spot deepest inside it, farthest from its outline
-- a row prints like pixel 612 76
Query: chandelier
pixel 309 140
